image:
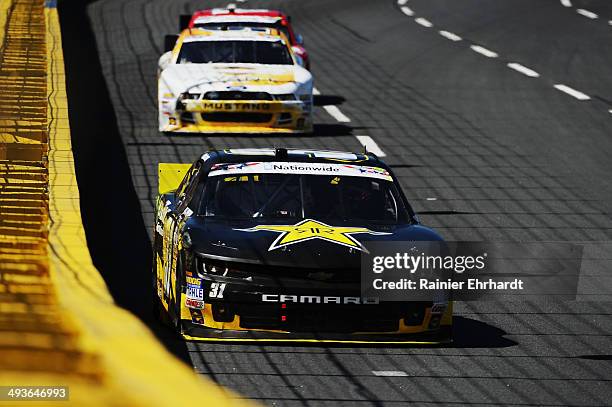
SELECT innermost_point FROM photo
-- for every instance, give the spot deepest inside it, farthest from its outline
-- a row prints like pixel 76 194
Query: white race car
pixel 233 81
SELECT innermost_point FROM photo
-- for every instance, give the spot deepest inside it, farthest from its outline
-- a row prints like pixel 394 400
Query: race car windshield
pixel 246 52
pixel 239 25
pixel 303 196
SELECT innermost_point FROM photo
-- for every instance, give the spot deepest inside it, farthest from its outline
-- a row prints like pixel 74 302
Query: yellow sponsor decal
pixel 193 281
pixel 243 178
pixel 309 229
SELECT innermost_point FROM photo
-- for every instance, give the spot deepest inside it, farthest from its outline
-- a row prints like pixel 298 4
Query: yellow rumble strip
pixel 58 323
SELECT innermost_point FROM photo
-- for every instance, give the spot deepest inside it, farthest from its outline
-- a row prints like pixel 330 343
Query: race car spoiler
pixel 170 176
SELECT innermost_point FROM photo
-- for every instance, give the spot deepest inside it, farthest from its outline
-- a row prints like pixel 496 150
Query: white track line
pixel 450 35
pixel 587 13
pixel 491 54
pixel 407 11
pixel 572 92
pixel 336 113
pixel 523 69
pixel 431 199
pixel 423 22
pixel 483 51
pixel 366 141
pixel 390 373
pixel 371 145
pixel 333 110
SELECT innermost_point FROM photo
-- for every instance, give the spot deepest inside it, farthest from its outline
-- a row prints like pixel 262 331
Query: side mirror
pixel 299 59
pixel 184 20
pixel 299 40
pixel 170 42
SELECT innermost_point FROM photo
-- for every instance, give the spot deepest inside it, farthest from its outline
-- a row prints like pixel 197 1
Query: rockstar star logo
pixel 309 229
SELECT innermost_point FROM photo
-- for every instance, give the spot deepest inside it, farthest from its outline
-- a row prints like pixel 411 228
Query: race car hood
pixel 200 78
pixel 306 244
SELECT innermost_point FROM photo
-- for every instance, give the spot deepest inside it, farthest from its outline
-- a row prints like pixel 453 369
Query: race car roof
pixel 234 18
pixel 291 155
pixel 239 11
pixel 244 34
pixel 347 169
pixel 255 159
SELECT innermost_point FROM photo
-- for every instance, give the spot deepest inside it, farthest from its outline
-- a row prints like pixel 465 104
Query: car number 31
pixel 216 290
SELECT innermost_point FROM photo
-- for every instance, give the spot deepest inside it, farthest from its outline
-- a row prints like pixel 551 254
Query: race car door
pixel 173 225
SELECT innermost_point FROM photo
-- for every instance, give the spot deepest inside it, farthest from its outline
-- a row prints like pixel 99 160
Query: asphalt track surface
pixel 484 152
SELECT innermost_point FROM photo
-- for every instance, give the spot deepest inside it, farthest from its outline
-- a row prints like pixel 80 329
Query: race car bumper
pixel 244 314
pixel 199 116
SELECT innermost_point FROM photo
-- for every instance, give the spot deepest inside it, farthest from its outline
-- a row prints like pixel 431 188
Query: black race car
pixel 265 244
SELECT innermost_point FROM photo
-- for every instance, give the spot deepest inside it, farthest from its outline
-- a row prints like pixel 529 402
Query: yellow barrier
pixel 58 322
